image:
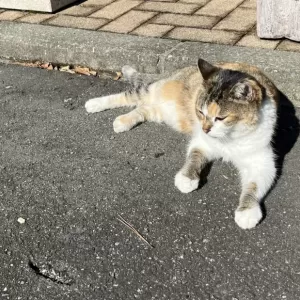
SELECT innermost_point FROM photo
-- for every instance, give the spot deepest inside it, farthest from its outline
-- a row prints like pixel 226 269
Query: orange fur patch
pixel 207 125
pixel 213 110
pixel 252 187
pixel 172 90
pixel 186 126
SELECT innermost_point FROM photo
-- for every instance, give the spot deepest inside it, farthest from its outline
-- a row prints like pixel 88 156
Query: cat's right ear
pixel 206 69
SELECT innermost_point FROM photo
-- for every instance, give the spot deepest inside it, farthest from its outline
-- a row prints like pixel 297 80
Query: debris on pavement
pixel 122 220
pixel 21 220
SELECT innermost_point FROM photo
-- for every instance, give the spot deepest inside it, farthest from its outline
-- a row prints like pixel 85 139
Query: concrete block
pixel 35 5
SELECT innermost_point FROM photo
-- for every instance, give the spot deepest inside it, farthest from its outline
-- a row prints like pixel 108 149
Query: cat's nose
pixel 206 130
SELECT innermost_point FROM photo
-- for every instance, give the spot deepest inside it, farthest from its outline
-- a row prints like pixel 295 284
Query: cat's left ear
pixel 243 92
pixel 206 69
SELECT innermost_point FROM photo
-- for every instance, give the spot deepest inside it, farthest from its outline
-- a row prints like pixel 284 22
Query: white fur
pixel 248 218
pixel 249 149
pixel 119 126
pixel 98 104
pixel 167 108
pixel 185 184
pixel 132 118
pixel 241 142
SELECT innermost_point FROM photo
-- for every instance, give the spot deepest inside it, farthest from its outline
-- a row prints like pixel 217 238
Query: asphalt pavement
pixel 65 177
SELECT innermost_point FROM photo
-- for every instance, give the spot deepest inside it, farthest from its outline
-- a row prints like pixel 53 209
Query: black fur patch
pixel 220 85
pixel 139 89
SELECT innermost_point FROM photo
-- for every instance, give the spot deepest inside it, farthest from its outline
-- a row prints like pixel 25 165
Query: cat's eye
pixel 201 112
pixel 220 118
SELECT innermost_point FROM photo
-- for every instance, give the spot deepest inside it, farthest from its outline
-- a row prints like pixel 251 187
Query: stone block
pixel 35 5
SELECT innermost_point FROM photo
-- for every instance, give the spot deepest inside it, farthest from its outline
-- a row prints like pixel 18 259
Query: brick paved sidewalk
pixel 231 22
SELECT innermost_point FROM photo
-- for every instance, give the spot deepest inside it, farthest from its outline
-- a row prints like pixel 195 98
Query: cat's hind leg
pixel 139 115
pixel 258 173
pixel 109 102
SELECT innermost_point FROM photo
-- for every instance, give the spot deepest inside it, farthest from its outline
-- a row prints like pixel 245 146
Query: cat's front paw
pixel 185 184
pixel 96 105
pixel 248 218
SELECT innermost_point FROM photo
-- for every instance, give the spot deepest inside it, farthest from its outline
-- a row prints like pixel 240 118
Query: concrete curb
pixel 110 51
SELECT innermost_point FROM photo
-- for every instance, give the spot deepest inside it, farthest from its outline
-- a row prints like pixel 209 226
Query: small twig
pixel 123 221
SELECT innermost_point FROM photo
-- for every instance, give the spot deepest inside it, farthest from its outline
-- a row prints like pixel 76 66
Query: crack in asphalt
pixel 47 271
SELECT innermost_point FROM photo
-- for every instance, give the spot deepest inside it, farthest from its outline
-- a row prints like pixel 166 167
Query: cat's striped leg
pixel 136 116
pixel 258 173
pixel 109 102
pixel 187 179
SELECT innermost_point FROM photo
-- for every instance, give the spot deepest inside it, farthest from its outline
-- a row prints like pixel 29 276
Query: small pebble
pixel 21 220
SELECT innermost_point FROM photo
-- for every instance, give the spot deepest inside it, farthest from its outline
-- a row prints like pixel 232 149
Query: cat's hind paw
pixel 96 105
pixel 185 184
pixel 120 125
pixel 248 218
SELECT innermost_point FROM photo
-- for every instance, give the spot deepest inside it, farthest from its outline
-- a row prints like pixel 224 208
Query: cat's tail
pixel 137 94
pixel 132 76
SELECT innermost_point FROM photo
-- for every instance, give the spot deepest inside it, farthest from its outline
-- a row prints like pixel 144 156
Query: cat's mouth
pixel 215 135
pixel 212 135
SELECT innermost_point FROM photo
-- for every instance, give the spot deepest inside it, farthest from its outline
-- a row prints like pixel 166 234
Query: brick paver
pixel 97 2
pixel 204 35
pixel 35 18
pixel 154 30
pixel 287 45
pixel 231 22
pixel 219 8
pixel 249 4
pixel 186 20
pixel 252 40
pixel 11 15
pixel 115 9
pixel 244 17
pixel 77 22
pixel 81 11
pixel 199 2
pixel 180 8
pixel 129 21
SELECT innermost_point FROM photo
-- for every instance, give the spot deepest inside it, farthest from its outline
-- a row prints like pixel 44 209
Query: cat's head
pixel 230 103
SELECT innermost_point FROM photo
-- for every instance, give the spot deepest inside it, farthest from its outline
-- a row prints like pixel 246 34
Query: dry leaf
pixel 64 68
pixel 118 76
pixel 84 71
pixel 94 73
pixel 45 65
pixel 28 64
pixel 50 67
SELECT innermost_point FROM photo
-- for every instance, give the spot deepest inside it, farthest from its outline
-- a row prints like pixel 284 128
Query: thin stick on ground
pixel 122 220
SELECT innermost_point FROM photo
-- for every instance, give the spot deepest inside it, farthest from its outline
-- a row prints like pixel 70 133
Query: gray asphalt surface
pixel 69 176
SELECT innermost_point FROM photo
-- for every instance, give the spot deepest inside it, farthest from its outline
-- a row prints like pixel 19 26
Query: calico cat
pixel 230 111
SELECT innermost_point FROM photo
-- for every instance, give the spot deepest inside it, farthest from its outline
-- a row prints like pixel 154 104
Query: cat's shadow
pixel 286 133
pixel 285 136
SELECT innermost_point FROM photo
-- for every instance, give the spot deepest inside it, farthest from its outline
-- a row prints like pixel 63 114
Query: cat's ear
pixel 243 92
pixel 206 69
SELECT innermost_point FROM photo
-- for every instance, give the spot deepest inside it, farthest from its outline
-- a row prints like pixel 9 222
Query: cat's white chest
pixel 243 142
